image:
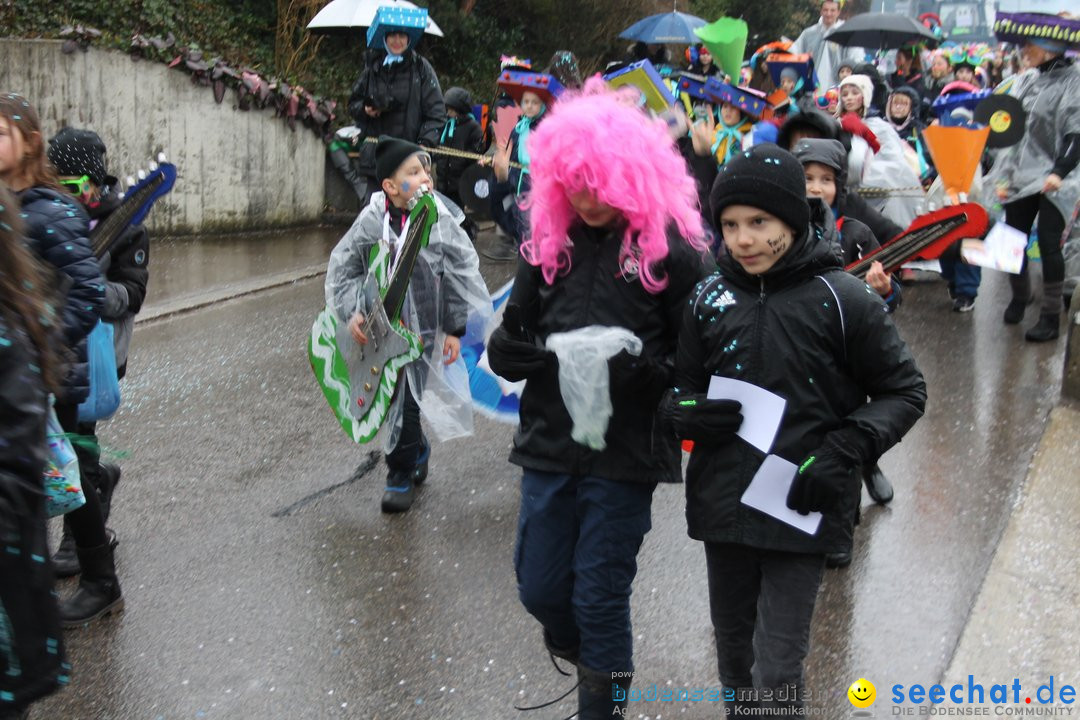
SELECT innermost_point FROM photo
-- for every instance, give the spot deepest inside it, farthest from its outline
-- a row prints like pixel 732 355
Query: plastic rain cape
pixel 888 168
pixel 1052 103
pixel 446 290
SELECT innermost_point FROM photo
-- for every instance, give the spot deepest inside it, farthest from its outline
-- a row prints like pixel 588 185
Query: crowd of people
pixel 713 237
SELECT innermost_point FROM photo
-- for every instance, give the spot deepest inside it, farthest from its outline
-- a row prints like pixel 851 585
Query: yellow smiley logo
pixel 862 693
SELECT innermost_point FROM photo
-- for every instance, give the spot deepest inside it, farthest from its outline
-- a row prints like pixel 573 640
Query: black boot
pixel 341 160
pixel 1044 330
pixel 569 654
pixel 877 485
pixel 834 561
pixel 99 590
pixel 400 492
pixel 65 561
pixel 1014 312
pixel 107 480
pixel 600 695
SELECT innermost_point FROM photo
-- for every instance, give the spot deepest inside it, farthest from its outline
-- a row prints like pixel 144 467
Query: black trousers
pixel 411 444
pixel 87 524
pixel 1020 214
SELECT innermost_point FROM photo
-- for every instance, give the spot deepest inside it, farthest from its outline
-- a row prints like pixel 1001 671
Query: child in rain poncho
pixel 444 290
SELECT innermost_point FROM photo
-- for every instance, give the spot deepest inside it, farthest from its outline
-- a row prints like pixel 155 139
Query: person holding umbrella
pixel 1037 177
pixel 828 56
pixel 397 94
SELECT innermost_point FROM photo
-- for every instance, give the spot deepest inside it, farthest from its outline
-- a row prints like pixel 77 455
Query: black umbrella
pixel 884 31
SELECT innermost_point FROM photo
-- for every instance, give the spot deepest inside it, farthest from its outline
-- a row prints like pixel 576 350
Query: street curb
pixel 212 296
pixel 1025 608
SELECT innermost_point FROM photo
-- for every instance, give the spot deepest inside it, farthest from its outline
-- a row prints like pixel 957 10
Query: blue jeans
pixel 576 558
pixel 964 279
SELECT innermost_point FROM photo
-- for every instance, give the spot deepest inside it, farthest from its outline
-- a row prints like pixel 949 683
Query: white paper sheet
pixel 768 493
pixel 1003 249
pixel 762 411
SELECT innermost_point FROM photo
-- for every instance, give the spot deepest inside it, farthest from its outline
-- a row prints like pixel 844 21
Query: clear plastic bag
pixel 104 396
pixel 63 486
pixel 584 381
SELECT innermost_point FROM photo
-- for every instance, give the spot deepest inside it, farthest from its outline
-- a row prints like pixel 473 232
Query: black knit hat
pixel 764 177
pixel 75 153
pixel 390 153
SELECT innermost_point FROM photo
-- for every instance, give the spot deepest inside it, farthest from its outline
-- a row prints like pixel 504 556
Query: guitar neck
pixel 106 232
pixel 903 248
pixel 394 297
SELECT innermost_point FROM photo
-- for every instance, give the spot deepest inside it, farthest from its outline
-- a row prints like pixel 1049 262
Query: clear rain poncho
pixel 446 292
pixel 888 168
pixel 1052 103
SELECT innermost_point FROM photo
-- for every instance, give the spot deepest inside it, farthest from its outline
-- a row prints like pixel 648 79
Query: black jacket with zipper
pixel 821 339
pixel 597 291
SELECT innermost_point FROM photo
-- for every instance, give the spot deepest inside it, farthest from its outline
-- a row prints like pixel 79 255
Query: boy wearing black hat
pixel 461 132
pixel 445 288
pixel 79 158
pixel 781 314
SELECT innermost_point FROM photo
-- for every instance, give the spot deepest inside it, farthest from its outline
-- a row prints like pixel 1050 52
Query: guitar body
pixel 357 380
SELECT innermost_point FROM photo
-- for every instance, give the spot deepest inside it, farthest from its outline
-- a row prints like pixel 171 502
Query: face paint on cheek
pixel 779 244
pixel 405 186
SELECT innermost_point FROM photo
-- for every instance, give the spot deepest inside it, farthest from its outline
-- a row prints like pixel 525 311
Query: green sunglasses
pixel 78 186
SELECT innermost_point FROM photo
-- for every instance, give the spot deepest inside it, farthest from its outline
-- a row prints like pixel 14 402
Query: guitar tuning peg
pixel 130 181
pixel 161 158
pixel 152 166
pixel 142 175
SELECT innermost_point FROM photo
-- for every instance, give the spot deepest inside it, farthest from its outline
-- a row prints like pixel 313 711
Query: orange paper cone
pixel 956 152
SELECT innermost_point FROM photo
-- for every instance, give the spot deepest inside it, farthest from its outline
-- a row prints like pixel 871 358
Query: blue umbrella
pixel 672 27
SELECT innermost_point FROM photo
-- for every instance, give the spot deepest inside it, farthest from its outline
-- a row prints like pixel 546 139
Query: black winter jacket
pixel 409 96
pixel 595 291
pixel 33 665
pixel 465 134
pixel 56 230
pixel 853 205
pixel 125 279
pixel 817 337
pixel 856 242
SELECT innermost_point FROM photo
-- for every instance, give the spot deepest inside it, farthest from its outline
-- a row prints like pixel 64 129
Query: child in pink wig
pixel 616 241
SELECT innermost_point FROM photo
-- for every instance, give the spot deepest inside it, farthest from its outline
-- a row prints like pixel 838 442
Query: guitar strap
pixel 393 245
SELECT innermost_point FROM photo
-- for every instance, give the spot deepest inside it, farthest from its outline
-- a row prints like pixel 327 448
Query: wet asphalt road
pixel 262 581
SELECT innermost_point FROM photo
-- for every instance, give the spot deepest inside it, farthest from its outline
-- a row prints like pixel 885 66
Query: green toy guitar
pixel 359 380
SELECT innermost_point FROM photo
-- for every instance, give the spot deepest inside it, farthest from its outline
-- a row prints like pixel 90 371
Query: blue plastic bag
pixel 104 396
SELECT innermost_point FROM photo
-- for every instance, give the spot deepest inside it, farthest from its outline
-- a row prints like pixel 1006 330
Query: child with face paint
pixel 781 314
pixel 445 287
pixel 616 241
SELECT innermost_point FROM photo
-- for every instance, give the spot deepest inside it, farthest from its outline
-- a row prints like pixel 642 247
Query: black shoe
pixel 952 291
pixel 570 655
pixel 1014 313
pixel 504 250
pixel 419 475
pixel 877 485
pixel 65 561
pixel 98 593
pixel 963 303
pixel 400 492
pixel 837 560
pixel 597 693
pixel 108 479
pixel 1044 330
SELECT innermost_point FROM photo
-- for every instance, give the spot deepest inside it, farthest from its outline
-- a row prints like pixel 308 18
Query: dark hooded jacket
pixel 56 230
pixel 409 96
pixel 32 663
pixel 856 239
pixel 461 133
pixel 126 277
pixel 812 334
pixel 595 290
pixel 819 123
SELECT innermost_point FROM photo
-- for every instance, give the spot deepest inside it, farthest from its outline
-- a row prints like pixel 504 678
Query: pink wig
pixel 593 142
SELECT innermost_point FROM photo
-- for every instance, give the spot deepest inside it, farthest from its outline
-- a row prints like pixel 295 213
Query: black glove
pixel 697 418
pixel 822 480
pixel 512 352
pixel 633 374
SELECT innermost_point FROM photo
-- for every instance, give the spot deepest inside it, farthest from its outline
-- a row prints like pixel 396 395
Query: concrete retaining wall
pixel 236 169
